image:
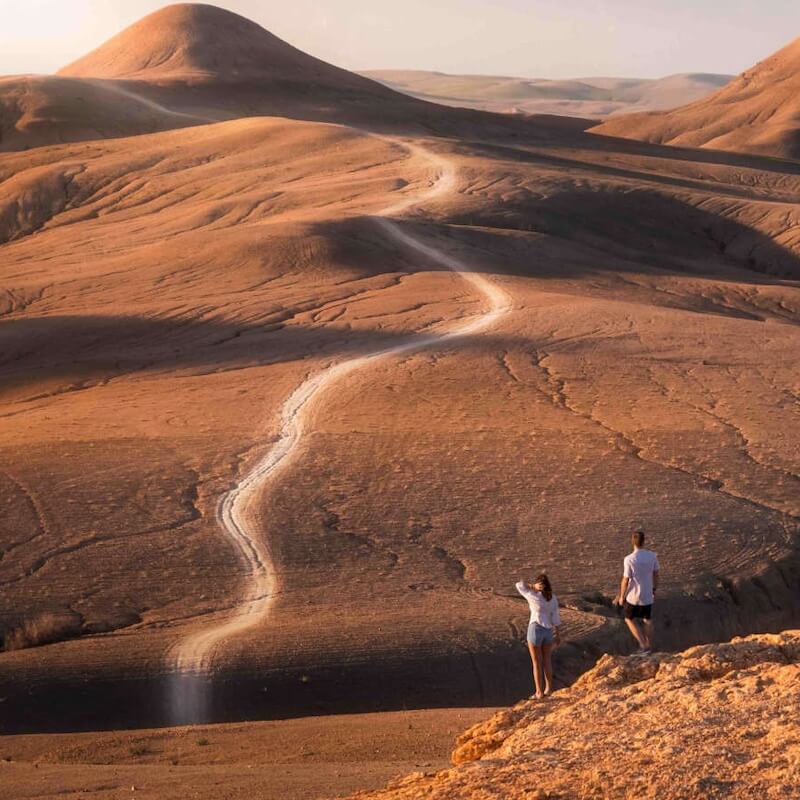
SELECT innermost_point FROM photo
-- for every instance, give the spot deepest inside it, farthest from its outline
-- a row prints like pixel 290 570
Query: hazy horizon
pixel 533 38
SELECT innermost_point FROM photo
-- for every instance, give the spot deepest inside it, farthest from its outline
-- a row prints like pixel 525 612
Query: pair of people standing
pixel 636 596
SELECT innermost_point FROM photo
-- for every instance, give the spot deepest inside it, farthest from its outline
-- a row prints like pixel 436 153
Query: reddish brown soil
pixel 303 759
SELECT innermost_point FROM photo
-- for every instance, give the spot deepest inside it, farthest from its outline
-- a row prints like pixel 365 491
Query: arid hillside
pixel 200 43
pixel 582 97
pixel 288 405
pixel 190 64
pixel 758 112
pixel 38 110
pixel 718 721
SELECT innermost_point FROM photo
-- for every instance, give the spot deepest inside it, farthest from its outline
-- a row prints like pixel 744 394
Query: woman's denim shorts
pixel 538 634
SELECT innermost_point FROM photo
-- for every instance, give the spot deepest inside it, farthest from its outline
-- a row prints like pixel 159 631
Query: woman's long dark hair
pixel 547 589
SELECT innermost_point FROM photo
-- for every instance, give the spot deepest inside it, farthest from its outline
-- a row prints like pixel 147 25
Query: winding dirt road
pixel 190 661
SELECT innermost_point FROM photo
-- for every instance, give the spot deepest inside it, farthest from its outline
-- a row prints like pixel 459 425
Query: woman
pixel 542 631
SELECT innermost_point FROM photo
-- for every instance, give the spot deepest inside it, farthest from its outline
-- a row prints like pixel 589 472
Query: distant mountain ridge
pixel 586 97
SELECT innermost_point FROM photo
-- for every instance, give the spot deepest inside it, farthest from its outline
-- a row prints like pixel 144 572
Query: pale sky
pixel 532 38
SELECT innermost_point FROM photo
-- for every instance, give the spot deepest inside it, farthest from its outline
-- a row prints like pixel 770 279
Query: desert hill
pixel 715 721
pixel 194 42
pixel 189 64
pixel 758 112
pixel 168 297
pixel 582 97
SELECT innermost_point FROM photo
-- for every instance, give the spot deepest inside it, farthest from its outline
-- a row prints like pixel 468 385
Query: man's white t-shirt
pixel 639 568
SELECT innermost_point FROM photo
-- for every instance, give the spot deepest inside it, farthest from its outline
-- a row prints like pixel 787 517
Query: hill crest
pixel 199 42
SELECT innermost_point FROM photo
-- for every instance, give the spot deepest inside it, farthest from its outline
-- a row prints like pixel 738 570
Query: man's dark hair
pixel 637 537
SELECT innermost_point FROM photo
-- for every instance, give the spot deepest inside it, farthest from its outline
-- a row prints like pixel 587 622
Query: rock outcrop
pixel 715 721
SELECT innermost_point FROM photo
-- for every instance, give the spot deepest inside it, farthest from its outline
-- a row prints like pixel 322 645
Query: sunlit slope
pixel 194 42
pixel 643 379
pixel 758 112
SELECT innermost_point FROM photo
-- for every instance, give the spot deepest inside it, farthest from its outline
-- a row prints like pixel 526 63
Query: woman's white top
pixel 543 612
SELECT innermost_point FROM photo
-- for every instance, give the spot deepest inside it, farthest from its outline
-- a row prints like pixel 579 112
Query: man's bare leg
pixel 637 632
pixel 647 632
pixel 536 660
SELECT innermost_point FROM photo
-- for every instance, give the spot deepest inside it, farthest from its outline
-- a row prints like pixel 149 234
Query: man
pixel 637 591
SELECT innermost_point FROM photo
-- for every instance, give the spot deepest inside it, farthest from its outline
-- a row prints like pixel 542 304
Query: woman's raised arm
pixel 524 589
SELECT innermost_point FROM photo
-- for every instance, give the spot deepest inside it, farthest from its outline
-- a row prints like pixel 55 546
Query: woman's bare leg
pixel 536 660
pixel 547 662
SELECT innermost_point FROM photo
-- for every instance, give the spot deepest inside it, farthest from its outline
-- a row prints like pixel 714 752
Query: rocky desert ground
pixel 717 721
pixel 301 374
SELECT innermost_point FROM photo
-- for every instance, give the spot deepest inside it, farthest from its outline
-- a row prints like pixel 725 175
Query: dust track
pixel 190 662
pixel 113 86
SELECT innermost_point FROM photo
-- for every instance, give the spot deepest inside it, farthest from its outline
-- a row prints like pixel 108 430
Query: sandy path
pixel 112 86
pixel 192 657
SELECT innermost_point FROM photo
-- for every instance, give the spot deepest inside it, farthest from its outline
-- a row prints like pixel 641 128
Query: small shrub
pixel 139 750
pixel 202 742
pixel 44 628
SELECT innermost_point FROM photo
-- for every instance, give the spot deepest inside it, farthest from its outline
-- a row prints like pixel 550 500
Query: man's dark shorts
pixel 638 612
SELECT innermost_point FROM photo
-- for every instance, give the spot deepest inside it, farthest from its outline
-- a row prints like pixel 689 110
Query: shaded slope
pixel 37 110
pixel 759 112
